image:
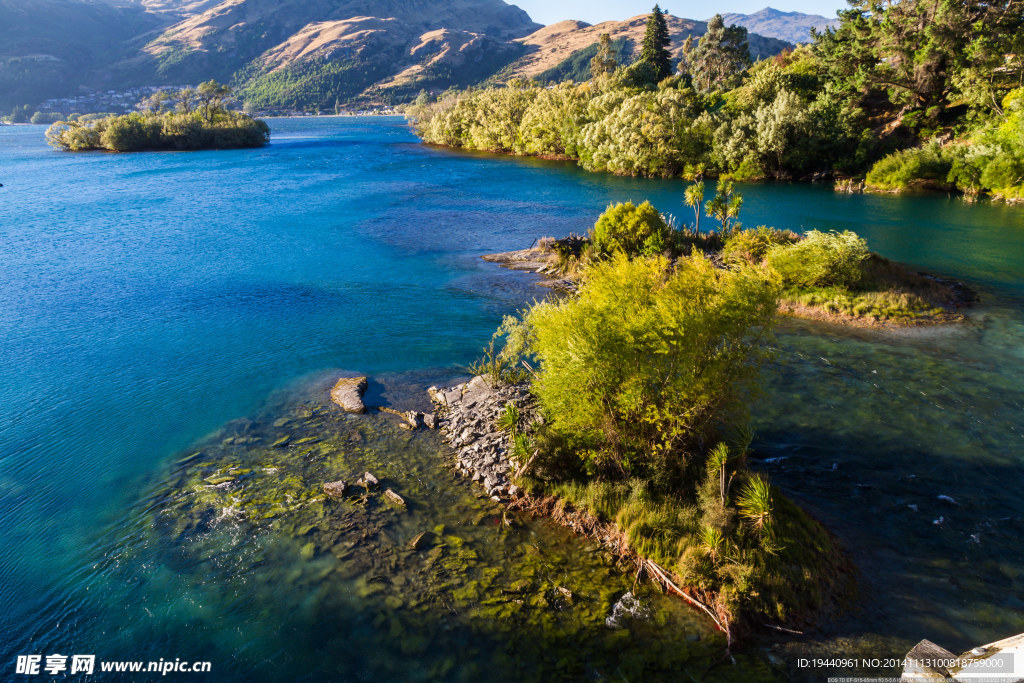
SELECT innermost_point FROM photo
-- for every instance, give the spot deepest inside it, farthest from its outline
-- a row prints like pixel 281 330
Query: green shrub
pixel 1002 173
pixel 632 230
pixel 131 133
pixel 644 357
pixel 820 259
pixel 899 170
pixel 751 246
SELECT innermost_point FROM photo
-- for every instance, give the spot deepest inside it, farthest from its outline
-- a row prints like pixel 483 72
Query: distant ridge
pixel 794 27
pixel 550 47
pixel 296 55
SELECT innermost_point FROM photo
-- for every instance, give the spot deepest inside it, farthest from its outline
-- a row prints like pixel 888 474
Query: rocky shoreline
pixel 468 421
pixel 467 416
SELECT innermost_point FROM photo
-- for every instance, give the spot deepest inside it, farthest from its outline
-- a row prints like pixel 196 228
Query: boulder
pixel 418 541
pixel 369 481
pixel 348 393
pixel 336 489
pixel 430 421
pixel 394 497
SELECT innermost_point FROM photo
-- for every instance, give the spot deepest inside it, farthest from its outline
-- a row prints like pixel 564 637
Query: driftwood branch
pixel 662 575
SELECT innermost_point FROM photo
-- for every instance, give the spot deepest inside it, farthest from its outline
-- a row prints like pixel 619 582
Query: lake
pixel 169 315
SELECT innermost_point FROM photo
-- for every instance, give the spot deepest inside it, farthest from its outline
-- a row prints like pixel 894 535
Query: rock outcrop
pixel 348 393
pixel 468 420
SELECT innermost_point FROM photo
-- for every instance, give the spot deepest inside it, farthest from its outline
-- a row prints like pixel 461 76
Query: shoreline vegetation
pixel 189 119
pixel 898 96
pixel 498 430
pixel 827 276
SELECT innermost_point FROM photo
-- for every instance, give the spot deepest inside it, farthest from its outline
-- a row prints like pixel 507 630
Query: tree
pixel 603 63
pixel 780 126
pixel 693 197
pixel 656 43
pixel 720 58
pixel 212 97
pixel 725 206
pixel 921 54
pixel 186 99
pixel 156 103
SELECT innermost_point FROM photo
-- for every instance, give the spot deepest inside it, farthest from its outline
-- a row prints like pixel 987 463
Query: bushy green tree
pixel 639 364
pixel 631 230
pixel 131 133
pixel 781 125
pixel 648 134
pixel 924 53
pixel 553 122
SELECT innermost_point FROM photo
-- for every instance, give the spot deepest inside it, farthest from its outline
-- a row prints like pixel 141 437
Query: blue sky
pixel 595 11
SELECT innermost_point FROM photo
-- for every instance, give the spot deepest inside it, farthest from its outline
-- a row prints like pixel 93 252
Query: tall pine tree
pixel 655 46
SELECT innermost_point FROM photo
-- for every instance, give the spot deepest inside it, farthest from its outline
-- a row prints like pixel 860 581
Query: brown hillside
pixel 553 44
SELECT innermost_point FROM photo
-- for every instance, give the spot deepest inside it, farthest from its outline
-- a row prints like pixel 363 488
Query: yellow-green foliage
pixel 773 562
pixel 899 170
pixel 751 246
pixel 645 356
pixel 992 160
pixel 820 259
pixel 647 134
pixel 893 306
pixel 631 230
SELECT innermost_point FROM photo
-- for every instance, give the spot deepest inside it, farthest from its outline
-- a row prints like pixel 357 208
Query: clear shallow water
pixel 149 300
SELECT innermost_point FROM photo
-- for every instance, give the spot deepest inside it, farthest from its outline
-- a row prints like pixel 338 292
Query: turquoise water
pixel 150 302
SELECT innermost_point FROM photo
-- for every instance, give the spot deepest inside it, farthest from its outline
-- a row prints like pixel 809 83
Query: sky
pixel 596 11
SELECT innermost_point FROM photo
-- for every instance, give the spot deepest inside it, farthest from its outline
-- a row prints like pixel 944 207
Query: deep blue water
pixel 147 300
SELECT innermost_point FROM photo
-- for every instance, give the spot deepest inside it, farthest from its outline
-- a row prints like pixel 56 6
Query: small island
pixel 621 409
pixel 189 119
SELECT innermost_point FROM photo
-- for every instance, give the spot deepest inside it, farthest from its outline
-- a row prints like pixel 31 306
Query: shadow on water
pixel 906 445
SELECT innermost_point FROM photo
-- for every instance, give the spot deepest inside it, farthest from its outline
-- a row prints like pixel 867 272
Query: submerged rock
pixel 348 393
pixel 418 542
pixel 394 497
pixel 336 489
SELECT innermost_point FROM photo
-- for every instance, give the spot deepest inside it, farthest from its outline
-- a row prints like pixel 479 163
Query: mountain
pixel 299 53
pixel 551 48
pixel 793 27
pixel 286 55
pixel 49 48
